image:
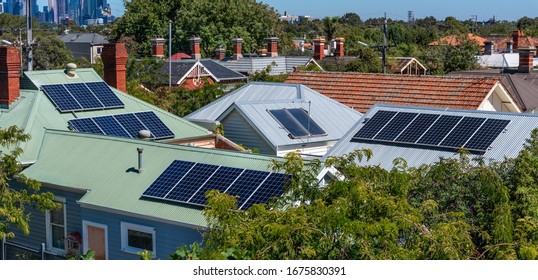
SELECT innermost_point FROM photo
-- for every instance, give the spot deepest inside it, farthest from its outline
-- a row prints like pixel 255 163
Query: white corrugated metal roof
pixel 501 60
pixel 279 64
pixel 508 144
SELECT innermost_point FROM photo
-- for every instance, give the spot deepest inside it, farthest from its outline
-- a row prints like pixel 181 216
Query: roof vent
pixel 70 69
pixel 144 134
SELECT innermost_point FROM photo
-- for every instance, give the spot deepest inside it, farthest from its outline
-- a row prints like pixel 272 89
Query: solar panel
pixel 395 126
pixel 61 98
pixel 439 130
pixel 246 184
pixel 154 125
pixel 375 124
pixel 306 121
pixel 85 125
pixel 221 180
pixel 131 124
pixel 272 186
pixel 191 182
pixel 110 126
pixel 295 129
pixel 486 134
pixel 168 179
pixel 419 125
pixel 84 96
pixel 462 132
pixel 103 92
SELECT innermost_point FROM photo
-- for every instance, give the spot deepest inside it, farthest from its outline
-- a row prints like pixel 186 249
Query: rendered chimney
pixel 488 48
pixel 157 46
pixel 219 53
pixel 195 47
pixel 272 46
pixel 114 58
pixel 339 47
pixel 319 48
pixel 237 47
pixel 10 63
pixel 516 36
pixel 526 59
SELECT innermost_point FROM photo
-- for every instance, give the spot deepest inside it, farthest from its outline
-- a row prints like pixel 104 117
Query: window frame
pixel 125 227
pixel 48 227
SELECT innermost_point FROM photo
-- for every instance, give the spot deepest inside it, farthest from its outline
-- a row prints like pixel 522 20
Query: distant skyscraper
pixel 1 7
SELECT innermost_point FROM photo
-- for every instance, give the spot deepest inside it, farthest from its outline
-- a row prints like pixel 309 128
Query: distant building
pixel 87 45
pixel 293 19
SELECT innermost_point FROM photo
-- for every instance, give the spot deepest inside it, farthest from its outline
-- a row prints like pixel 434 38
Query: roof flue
pixel 70 69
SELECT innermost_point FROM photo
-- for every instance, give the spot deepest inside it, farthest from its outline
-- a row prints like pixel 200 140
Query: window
pixel 136 238
pixel 99 50
pixel 56 227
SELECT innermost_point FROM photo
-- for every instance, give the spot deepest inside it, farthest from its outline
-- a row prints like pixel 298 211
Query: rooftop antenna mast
pixel 384 51
pixel 29 39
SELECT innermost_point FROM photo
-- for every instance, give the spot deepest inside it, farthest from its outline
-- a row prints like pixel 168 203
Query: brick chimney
pixel 237 47
pixel 219 53
pixel 114 58
pixel 157 46
pixel 339 47
pixel 319 48
pixel 516 36
pixel 272 46
pixel 10 63
pixel 195 47
pixel 488 47
pixel 526 59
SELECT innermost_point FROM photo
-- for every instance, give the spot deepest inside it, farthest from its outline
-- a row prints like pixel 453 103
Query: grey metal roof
pixel 181 68
pixel 254 99
pixel 507 144
pixel 88 38
pixel 282 64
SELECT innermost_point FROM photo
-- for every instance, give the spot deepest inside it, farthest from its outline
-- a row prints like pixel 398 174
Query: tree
pixel 13 202
pixel 330 27
pixel 447 58
pixel 49 53
pixel 350 18
pixel 367 61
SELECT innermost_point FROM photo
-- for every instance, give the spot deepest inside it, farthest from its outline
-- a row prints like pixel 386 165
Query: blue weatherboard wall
pixel 169 237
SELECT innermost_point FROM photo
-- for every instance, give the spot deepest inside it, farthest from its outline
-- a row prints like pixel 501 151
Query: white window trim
pixel 124 240
pixel 49 230
pixel 85 225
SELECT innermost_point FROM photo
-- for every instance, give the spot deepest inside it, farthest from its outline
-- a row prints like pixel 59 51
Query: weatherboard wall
pixel 237 129
pixel 168 236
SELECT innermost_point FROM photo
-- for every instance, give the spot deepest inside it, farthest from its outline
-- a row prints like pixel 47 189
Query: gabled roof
pixel 84 38
pixel 278 64
pixel 500 43
pixel 360 91
pixel 179 56
pixel 455 40
pixel 398 64
pixel 34 112
pixel 181 69
pixel 254 99
pixel 105 167
pixel 507 144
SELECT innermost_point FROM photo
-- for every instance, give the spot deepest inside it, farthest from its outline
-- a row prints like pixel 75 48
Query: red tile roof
pixel 455 40
pixel 360 91
pixel 180 56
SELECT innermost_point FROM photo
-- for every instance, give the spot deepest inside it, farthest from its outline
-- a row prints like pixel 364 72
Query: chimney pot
pixel 319 48
pixel 516 36
pixel 10 64
pixel 272 46
pixel 114 58
pixel 195 47
pixel 237 48
pixel 219 53
pixel 157 46
pixel 488 48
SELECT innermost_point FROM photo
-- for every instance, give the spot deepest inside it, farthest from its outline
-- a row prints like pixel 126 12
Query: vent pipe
pixel 139 150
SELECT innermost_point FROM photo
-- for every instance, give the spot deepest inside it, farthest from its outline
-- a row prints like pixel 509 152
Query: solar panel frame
pixel 462 132
pixel 105 95
pixel 374 124
pixel 417 128
pixel 85 125
pixel 221 180
pixel 439 130
pixel 286 120
pixel 307 122
pixel 168 179
pixel 486 134
pixel 272 186
pixel 110 126
pixel 396 126
pixel 131 124
pixel 191 182
pixel 246 184
pixel 61 98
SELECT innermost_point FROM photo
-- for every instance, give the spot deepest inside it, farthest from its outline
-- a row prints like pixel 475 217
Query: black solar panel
pixel 85 125
pixel 72 97
pixel 168 179
pixel 110 126
pixel 306 121
pixel 103 92
pixel 395 126
pixel 84 96
pixel 221 180
pixel 489 131
pixel 413 132
pixel 439 130
pixel 295 129
pixel 154 125
pixel 272 186
pixel 375 124
pixel 246 184
pixel 191 182
pixel 131 124
pixel 62 99
pixel 462 132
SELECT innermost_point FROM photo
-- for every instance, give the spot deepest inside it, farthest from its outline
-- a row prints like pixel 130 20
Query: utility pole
pixel 384 57
pixel 29 39
pixel 475 20
pixel 170 53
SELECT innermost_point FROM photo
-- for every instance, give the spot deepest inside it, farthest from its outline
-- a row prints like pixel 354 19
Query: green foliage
pixel 265 75
pixel 447 58
pixel 145 255
pixel 90 255
pixel 367 61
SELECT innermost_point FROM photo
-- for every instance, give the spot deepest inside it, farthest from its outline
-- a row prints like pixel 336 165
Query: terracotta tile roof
pixel 360 91
pixel 454 40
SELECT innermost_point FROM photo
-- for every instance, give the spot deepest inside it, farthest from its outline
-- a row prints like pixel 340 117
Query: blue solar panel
pixel 462 132
pixel 84 96
pixel 154 125
pixel 375 124
pixel 105 94
pixel 220 181
pixel 439 130
pixel 61 98
pixel 186 188
pixel 246 184
pixel 272 186
pixel 295 129
pixel 131 124
pixel 306 121
pixel 110 126
pixel 419 125
pixel 84 125
pixel 395 126
pixel 486 134
pixel 168 179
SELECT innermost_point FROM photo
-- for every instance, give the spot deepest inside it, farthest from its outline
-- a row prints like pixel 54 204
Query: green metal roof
pixel 34 112
pixel 106 165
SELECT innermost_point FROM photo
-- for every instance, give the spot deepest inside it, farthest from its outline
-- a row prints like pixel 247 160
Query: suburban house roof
pixel 34 112
pixel 500 43
pixel 398 65
pixel 501 60
pixel 455 40
pixel 254 99
pixel 181 69
pixel 278 64
pixel 179 56
pixel 508 143
pixel 84 38
pixel 105 168
pixel 360 91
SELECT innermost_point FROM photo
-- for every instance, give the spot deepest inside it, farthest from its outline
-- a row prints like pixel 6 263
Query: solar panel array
pixel 73 97
pixel 444 131
pixel 187 182
pixel 297 122
pixel 123 125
